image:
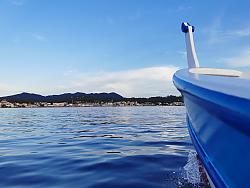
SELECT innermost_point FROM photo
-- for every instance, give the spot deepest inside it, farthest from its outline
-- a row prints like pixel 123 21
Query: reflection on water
pixel 94 147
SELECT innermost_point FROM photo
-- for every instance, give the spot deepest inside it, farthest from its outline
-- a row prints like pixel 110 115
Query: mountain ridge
pixel 25 97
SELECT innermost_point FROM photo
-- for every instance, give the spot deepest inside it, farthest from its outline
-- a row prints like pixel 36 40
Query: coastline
pixel 6 104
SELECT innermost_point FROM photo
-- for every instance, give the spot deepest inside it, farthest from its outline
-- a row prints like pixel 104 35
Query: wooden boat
pixel 218 116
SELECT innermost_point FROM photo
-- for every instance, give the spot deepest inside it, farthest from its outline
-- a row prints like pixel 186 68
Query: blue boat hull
pixel 219 125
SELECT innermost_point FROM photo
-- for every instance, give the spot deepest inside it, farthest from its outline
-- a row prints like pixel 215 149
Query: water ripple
pixel 93 147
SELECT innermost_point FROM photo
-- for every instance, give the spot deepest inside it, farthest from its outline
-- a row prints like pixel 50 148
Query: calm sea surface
pixel 95 147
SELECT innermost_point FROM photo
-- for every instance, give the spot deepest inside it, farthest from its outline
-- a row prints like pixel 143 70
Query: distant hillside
pixel 66 97
pixel 156 100
pixel 89 98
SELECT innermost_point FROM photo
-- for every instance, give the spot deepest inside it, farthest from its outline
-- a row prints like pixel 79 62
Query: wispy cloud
pixel 184 7
pixel 110 20
pixel 17 2
pixel 39 37
pixel 182 53
pixel 244 32
pixel 70 72
pixel 242 60
pixel 136 16
pixel 152 81
pixel 214 31
pixel 217 34
pixel 7 89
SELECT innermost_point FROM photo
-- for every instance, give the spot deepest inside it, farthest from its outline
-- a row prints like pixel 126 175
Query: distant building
pixel 6 104
pixel 59 104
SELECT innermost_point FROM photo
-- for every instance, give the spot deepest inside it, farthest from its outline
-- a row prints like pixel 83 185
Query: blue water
pixel 94 147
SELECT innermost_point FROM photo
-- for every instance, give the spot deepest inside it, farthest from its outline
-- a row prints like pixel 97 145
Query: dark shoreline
pixel 83 105
pixel 30 100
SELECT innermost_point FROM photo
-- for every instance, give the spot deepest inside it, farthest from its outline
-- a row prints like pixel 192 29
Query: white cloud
pixel 39 37
pixel 152 81
pixel 182 53
pixel 242 60
pixel 110 20
pixel 217 34
pixel 6 89
pixel 214 32
pixel 244 32
pixel 136 16
pixel 17 2
pixel 184 7
pixel 143 82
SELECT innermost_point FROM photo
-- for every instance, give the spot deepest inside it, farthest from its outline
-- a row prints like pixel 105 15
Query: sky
pixel 132 47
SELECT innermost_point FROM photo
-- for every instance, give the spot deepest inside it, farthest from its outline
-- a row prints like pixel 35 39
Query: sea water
pixel 97 147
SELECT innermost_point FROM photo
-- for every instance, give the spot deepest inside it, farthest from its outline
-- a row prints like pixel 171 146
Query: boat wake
pixel 194 174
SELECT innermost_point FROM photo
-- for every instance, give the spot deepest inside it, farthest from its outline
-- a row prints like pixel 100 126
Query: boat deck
pixel 238 86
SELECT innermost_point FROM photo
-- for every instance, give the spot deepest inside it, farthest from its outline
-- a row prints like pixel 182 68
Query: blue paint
pixel 219 124
pixel 184 27
pixel 213 174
